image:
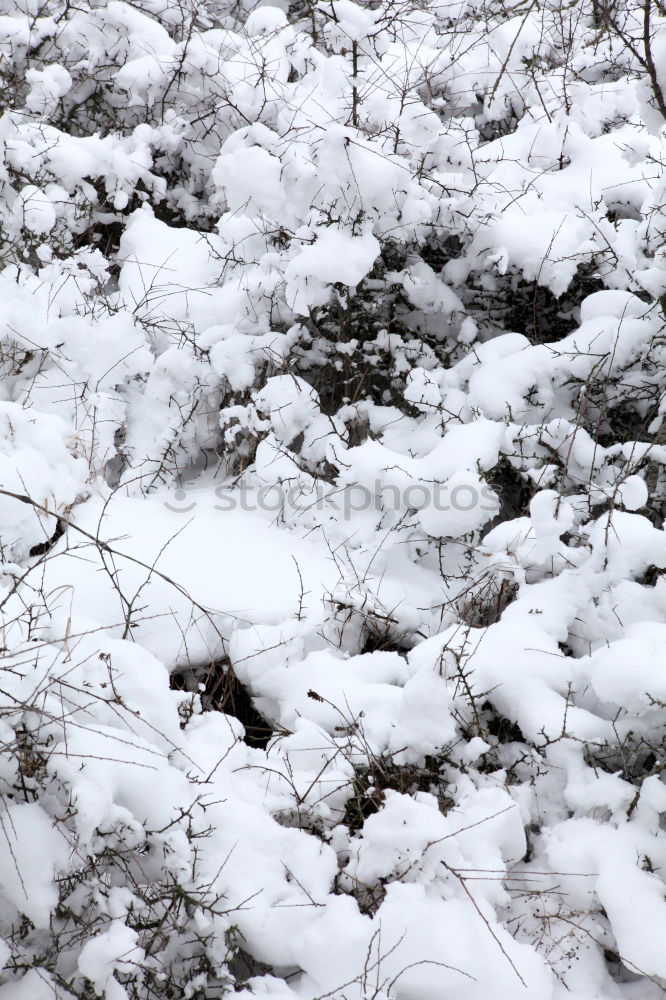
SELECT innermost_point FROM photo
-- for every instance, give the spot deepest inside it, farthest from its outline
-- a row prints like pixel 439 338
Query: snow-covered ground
pixel 332 353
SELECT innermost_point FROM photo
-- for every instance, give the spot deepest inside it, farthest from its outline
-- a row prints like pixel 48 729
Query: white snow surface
pixel 332 500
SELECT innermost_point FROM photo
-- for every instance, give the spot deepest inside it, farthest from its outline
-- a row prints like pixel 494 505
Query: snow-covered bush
pixel 332 344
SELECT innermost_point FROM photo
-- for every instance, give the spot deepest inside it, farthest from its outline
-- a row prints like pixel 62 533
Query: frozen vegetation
pixel 332 492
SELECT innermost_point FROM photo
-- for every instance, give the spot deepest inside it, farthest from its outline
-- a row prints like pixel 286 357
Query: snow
pixel 37 458
pixel 238 583
pixel 332 501
pixel 104 953
pixel 328 257
pixel 28 833
pixel 35 210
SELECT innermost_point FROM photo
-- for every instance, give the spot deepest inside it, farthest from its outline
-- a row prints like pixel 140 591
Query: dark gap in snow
pixel 381 774
pixel 439 250
pixel 514 489
pixel 512 303
pixel 650 576
pixel 375 641
pixel 244 966
pixel 504 730
pixel 628 421
pixel 113 470
pixel 617 970
pixel 223 692
pixel 43 547
pixel 105 236
pixel 484 604
pixel 497 128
